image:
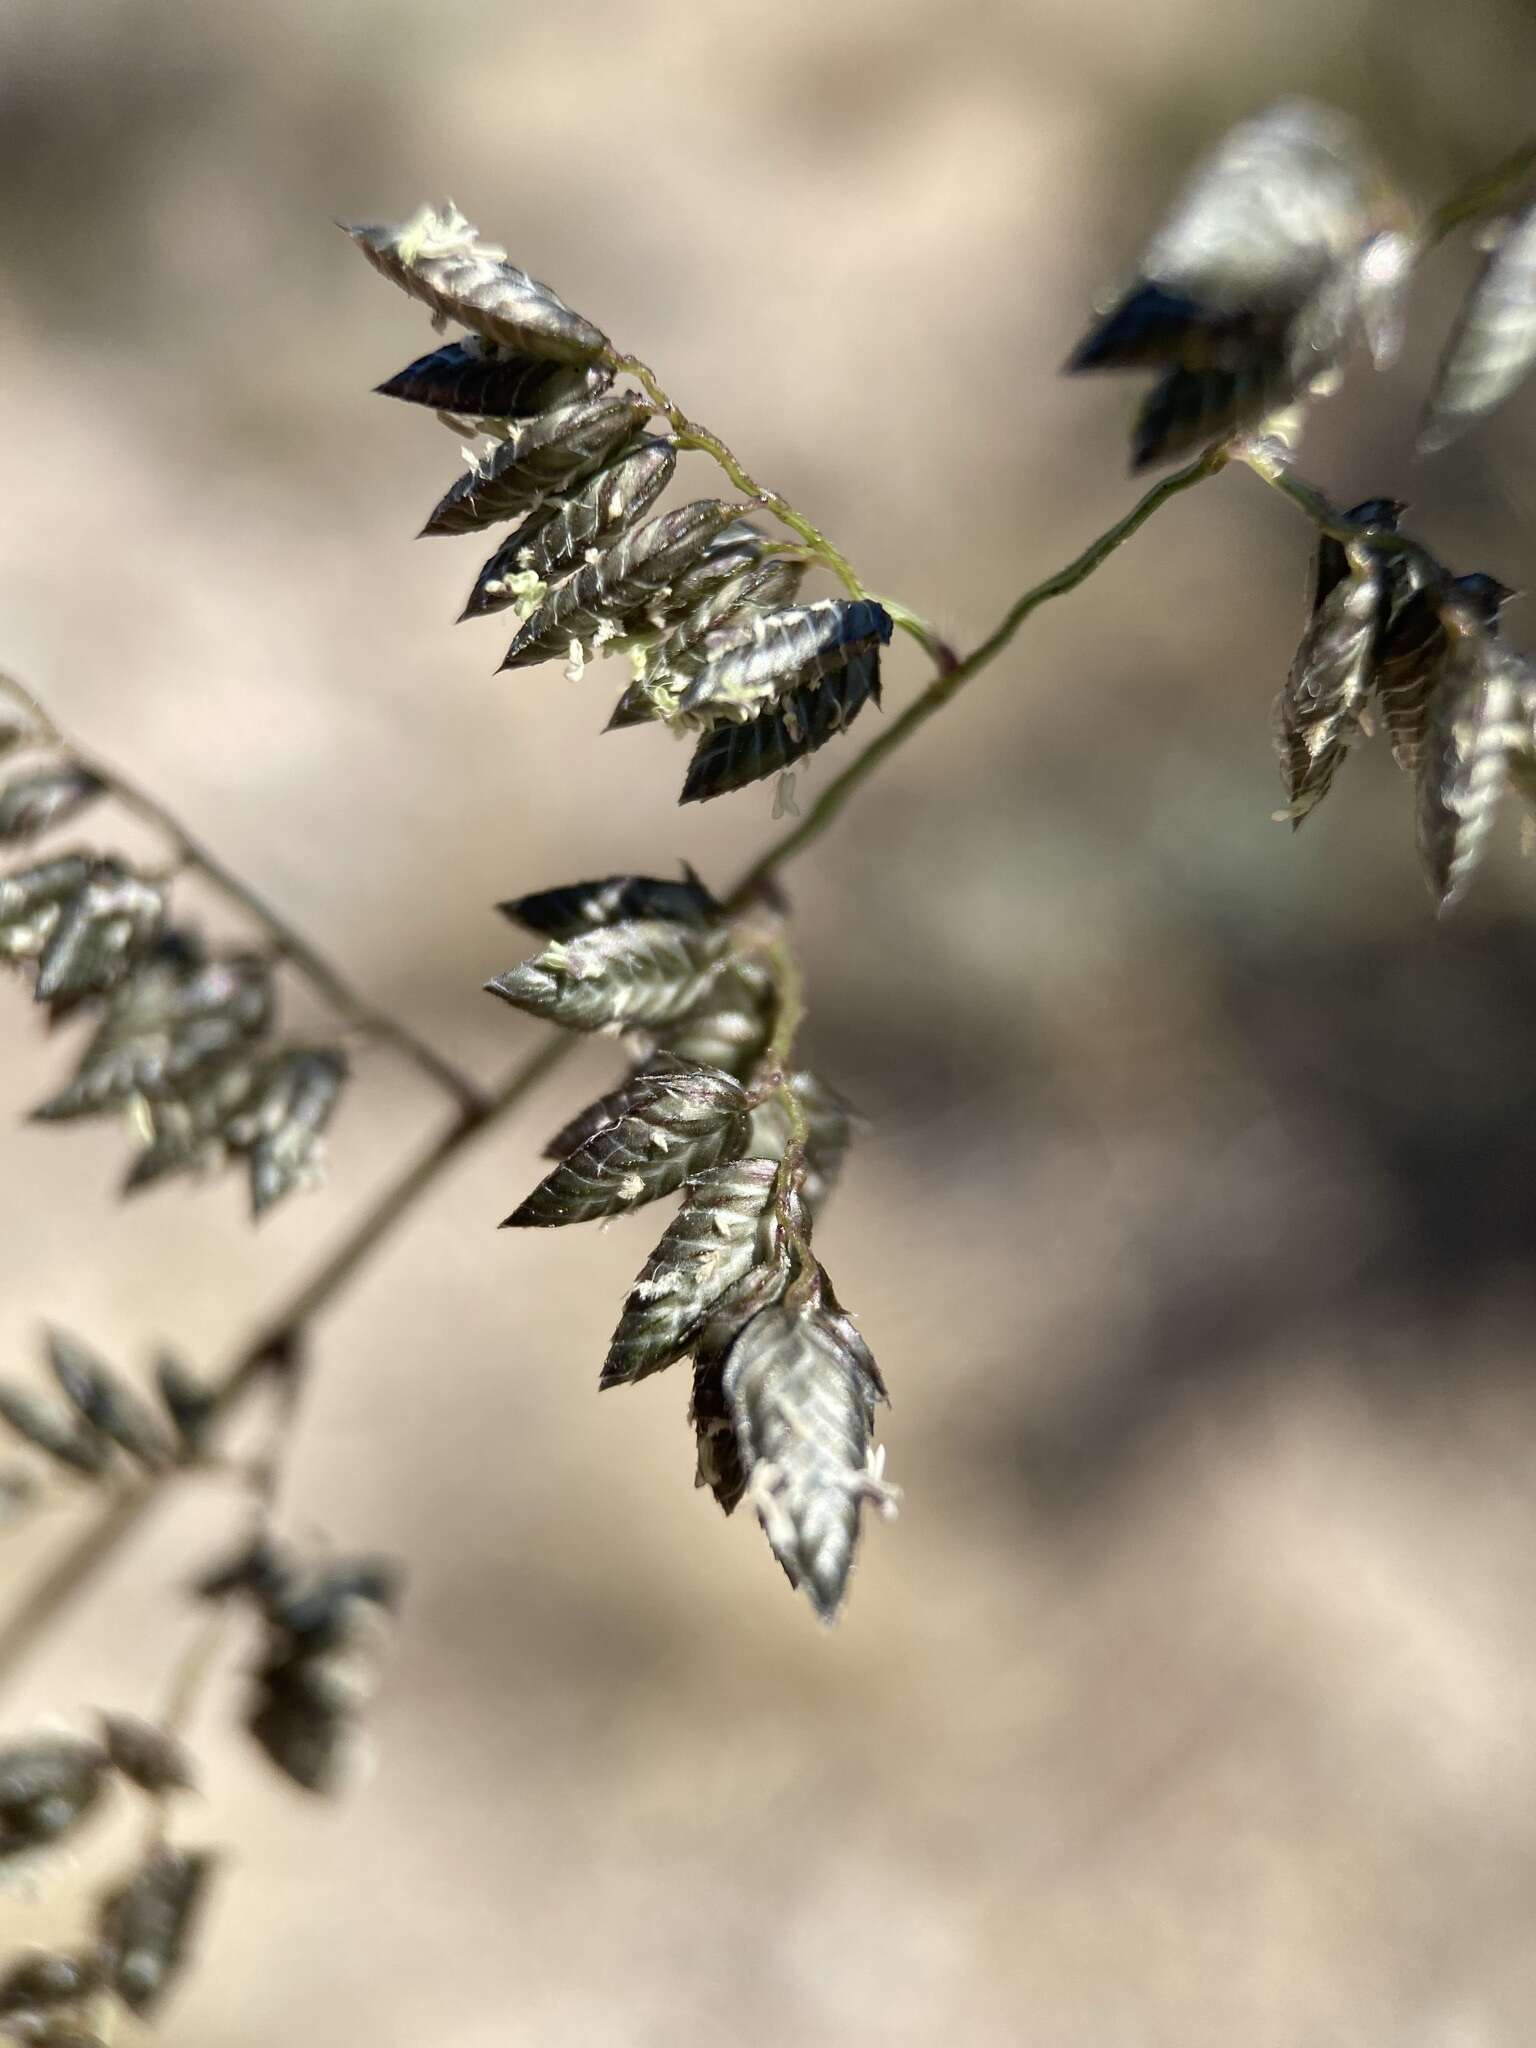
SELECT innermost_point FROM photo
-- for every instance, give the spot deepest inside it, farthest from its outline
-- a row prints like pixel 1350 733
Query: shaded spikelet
pixel 719 617
pixel 1190 408
pixel 718 1462
pixel 730 1027
pixel 102 928
pixel 62 1436
pixel 44 798
pixel 106 1403
pixel 281 1122
pixel 326 1629
pixel 683 649
pixel 32 901
pixel 619 899
pixel 1493 345
pixel 1476 724
pixel 738 546
pixel 47 1787
pixel 1279 249
pixel 44 1978
pixel 479 381
pixel 155 1761
pixel 324 1659
pixel 176 1013
pixel 190 1132
pixel 1413 648
pixel 146 1925
pixel 190 1401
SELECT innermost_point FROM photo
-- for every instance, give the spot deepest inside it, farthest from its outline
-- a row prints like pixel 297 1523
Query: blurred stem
pixel 948 684
pixel 1484 193
pixel 288 945
pixel 1271 465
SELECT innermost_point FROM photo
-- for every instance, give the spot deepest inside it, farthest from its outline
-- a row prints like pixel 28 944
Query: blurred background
pixel 1192 1698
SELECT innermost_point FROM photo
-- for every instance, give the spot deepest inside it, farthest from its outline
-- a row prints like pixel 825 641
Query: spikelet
pixel 439 258
pixel 1476 725
pixel 1317 714
pixel 1281 248
pixel 1493 345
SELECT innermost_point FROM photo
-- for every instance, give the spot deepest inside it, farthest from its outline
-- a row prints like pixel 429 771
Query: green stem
pixel 1327 517
pixel 691 435
pixel 946 686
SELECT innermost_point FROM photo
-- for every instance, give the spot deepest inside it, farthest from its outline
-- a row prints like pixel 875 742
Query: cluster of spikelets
pixel 96 1419
pixel 323 1622
pixel 324 1625
pixel 50 1784
pixel 183 1044
pixel 701 601
pixel 53 1782
pixel 1394 634
pixel 784 1387
pixel 1285 248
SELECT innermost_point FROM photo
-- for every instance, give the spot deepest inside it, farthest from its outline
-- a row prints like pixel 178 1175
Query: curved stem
pixel 947 685
pixel 691 435
pixel 1274 469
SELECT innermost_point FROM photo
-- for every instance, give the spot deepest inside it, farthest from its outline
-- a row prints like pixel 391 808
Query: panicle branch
pixel 1286 246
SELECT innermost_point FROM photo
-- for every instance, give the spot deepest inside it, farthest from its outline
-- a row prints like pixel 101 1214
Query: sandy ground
pixel 1190 1701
